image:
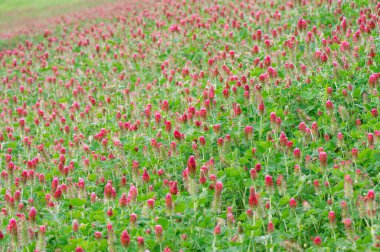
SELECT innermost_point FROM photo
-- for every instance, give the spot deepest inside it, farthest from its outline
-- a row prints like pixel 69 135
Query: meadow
pixel 193 125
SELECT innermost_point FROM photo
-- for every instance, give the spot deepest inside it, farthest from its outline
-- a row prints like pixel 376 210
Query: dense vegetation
pixel 194 125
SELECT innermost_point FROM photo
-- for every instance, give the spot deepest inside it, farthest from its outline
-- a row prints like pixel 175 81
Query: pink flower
pixel 354 153
pixel 270 227
pixel 317 241
pixel 297 153
pixel 169 201
pixel 323 159
pixel 177 135
pixel 93 197
pixel 132 218
pixel 253 199
pixel 191 165
pixel 248 131
pixel 125 239
pixel 329 105
pixel 374 112
pixel 140 241
pixel 110 212
pixel 292 203
pixel 218 187
pixel 202 140
pixel 109 227
pixel 58 193
pixel 174 188
pixel 75 226
pixel 253 174
pixel 268 181
pixel 150 203
pixel 158 230
pixel 12 227
pixel 145 176
pixel 371 195
pixel 371 139
pixel 331 217
pixel 32 214
pixel 108 191
pixel 347 223
pixel 217 229
pixel 42 229
pixel 97 235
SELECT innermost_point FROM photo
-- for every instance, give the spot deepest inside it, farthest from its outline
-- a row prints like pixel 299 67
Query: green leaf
pixel 308 95
pixel 179 207
pixel 164 222
pixel 77 202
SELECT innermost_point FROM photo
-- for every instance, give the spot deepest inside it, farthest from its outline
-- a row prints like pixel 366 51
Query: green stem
pixel 213 244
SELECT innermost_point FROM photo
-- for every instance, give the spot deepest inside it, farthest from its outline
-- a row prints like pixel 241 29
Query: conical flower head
pixel 125 239
pixel 191 165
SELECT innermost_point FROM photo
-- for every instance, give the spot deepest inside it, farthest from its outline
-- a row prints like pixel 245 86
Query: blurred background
pixel 19 14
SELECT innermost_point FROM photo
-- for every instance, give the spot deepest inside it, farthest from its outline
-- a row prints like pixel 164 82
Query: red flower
pixel 292 203
pixel 158 230
pixel 347 223
pixel 329 105
pixel 174 188
pixel 253 174
pixel 140 241
pixel 133 218
pixel 297 153
pixel 202 140
pixel 12 227
pixel 268 181
pixel 150 203
pixel 125 238
pixel 202 178
pixel 177 135
pixel 93 197
pixel 323 158
pixel 371 195
pixel 97 235
pixel 332 217
pixel 374 112
pixel 145 176
pixel 165 105
pixel 110 212
pixel 217 229
pixel 218 187
pixel 169 201
pixel 191 164
pixel 354 153
pixel 317 241
pixel 32 214
pixel 261 108
pixel 270 227
pixel 108 191
pixel 58 193
pixel 253 199
pixel 248 131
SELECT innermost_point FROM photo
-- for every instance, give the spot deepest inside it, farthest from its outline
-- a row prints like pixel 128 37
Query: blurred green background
pixel 18 13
